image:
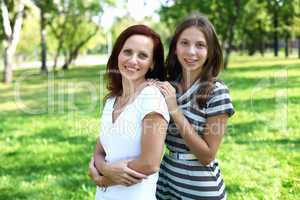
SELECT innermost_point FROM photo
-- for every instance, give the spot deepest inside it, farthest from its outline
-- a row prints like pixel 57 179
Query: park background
pixel 54 54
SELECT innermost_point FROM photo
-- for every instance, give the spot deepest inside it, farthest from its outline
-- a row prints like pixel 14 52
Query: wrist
pixel 97 168
pixel 175 114
pixel 104 169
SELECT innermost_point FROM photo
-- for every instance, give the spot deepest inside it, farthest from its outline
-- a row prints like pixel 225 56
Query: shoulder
pixel 219 87
pixel 150 90
pixel 219 90
pixel 109 100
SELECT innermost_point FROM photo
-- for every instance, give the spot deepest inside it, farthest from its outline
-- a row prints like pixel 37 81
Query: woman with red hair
pixel 134 119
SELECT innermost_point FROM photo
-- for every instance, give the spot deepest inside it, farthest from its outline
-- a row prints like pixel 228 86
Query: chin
pixel 192 68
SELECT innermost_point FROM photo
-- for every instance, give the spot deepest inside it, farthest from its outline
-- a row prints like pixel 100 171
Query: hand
pixel 93 173
pixel 169 93
pixel 121 174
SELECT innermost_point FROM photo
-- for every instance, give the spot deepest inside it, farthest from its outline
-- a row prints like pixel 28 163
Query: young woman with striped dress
pixel 199 105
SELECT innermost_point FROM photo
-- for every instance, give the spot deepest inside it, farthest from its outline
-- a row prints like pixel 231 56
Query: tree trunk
pixel 75 51
pixel 299 47
pixel 286 46
pixel 44 69
pixel 58 50
pixel 231 32
pixel 261 41
pixel 275 42
pixel 68 61
pixel 11 38
pixel 8 63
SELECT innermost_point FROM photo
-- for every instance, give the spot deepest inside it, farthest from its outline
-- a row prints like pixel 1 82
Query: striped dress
pixel 188 179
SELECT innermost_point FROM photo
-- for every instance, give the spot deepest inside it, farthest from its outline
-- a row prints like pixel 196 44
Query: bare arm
pixel 152 145
pixel 115 173
pixel 98 160
pixel 204 148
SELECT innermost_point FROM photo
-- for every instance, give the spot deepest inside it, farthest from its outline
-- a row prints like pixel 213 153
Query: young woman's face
pixel 136 57
pixel 191 50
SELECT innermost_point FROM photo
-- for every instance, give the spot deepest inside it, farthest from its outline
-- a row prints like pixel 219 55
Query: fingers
pixel 92 171
pixel 132 179
pixel 128 180
pixel 152 82
pixel 135 174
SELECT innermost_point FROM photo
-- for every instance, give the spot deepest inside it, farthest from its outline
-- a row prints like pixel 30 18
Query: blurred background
pixel 51 90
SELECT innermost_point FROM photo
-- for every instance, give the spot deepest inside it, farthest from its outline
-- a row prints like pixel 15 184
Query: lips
pixel 131 69
pixel 190 60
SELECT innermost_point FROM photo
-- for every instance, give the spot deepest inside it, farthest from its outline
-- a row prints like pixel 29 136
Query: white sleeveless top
pixel 121 140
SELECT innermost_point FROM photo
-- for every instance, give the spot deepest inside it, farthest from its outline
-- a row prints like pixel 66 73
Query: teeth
pixel 131 69
pixel 191 60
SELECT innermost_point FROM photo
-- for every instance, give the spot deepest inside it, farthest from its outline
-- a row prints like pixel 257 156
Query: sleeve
pixel 151 100
pixel 219 102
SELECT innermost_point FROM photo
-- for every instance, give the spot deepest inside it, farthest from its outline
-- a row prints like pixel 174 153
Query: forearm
pixel 99 157
pixel 196 143
pixel 152 145
pixel 100 162
pixel 143 166
pixel 106 182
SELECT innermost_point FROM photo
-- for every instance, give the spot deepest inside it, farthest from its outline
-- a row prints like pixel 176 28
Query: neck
pixel 188 78
pixel 130 87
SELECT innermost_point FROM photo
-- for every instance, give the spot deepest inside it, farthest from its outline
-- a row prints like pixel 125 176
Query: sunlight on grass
pixel 48 131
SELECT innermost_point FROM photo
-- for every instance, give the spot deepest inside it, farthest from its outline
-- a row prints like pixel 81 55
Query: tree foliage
pixel 241 24
pixel 72 25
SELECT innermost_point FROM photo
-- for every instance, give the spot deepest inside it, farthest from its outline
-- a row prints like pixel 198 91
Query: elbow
pixel 207 160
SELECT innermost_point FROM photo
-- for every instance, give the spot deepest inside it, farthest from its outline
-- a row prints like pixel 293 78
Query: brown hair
pixel 213 64
pixel 113 76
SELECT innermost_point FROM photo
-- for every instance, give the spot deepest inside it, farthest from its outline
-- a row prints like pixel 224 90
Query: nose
pixel 133 59
pixel 192 50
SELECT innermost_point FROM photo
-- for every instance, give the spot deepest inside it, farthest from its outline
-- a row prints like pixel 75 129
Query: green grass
pixel 48 127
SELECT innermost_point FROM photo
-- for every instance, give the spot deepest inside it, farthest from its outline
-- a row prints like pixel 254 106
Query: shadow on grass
pixel 255 106
pixel 254 84
pixel 242 130
pixel 30 165
pixel 275 142
pixel 259 68
pixel 14 193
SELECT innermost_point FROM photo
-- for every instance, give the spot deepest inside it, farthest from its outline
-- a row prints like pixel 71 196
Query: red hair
pixel 114 79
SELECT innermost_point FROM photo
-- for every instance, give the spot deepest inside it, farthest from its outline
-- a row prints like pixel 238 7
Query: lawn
pixel 49 124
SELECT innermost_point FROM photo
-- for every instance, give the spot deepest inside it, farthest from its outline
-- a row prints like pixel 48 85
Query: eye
pixel 184 42
pixel 143 56
pixel 127 52
pixel 200 45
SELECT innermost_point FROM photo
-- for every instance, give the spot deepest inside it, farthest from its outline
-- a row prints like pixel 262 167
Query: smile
pixel 131 69
pixel 190 60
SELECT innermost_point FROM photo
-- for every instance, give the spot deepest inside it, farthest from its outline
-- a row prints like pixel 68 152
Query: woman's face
pixel 191 50
pixel 136 57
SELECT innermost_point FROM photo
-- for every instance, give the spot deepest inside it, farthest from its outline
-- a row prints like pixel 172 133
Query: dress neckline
pixel 126 106
pixel 188 92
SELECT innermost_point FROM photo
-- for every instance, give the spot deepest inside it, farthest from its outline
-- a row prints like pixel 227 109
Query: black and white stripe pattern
pixel 188 179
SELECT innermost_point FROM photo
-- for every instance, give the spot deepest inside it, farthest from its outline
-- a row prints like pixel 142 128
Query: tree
pixel 296 24
pixel 11 28
pixel 73 26
pixel 253 29
pixel 224 14
pixel 45 7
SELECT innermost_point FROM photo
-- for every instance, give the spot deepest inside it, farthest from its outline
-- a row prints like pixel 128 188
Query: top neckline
pixel 125 106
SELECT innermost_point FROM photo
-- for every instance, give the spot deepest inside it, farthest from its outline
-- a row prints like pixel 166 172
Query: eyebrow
pixel 196 41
